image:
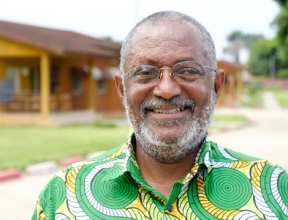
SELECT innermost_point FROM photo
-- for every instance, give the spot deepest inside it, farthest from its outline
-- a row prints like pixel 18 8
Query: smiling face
pixel 170 118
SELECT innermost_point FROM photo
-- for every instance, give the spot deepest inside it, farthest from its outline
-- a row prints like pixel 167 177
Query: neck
pixel 162 176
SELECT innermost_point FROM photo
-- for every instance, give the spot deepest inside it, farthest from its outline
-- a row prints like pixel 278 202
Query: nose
pixel 167 87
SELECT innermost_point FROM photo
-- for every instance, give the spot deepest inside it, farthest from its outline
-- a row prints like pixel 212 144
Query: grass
pixel 281 96
pixel 223 122
pixel 253 93
pixel 230 118
pixel 20 146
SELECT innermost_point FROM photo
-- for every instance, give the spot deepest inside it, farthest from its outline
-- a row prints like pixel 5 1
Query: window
pixel 76 86
pixel 101 86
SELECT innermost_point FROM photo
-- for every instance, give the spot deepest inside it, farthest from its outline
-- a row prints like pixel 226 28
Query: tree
pixel 281 24
pixel 258 64
pixel 238 41
pixel 264 60
pixel 281 2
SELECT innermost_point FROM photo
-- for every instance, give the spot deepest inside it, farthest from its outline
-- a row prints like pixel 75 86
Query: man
pixel 169 169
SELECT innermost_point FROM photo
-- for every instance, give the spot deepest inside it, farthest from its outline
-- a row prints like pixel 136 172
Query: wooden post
pixel 239 83
pixel 92 87
pixel 45 85
pixel 232 89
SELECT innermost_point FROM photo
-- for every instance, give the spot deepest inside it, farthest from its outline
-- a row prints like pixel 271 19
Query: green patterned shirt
pixel 223 184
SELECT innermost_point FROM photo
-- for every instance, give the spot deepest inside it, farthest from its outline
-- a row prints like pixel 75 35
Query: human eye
pixel 188 74
pixel 145 71
pixel 188 71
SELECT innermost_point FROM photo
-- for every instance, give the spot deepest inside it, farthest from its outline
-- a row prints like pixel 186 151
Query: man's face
pixel 170 119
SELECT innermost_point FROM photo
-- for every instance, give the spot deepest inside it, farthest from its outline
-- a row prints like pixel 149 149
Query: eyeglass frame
pixel 172 73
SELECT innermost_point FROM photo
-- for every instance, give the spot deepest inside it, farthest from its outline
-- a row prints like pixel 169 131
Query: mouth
pixel 167 111
pixel 173 106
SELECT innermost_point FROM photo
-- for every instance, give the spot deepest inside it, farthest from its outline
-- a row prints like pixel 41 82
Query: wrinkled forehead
pixel 167 34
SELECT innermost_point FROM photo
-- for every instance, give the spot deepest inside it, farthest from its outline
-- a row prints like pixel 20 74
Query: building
pixel 43 71
pixel 232 92
pixel 46 72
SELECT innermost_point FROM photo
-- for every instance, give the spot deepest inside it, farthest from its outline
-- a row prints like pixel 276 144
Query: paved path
pixel 18 197
pixel 265 138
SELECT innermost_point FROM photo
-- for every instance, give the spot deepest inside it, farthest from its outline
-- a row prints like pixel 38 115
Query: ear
pixel 219 82
pixel 119 85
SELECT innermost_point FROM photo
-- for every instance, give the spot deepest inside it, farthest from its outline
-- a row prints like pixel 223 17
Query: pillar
pixel 45 85
pixel 92 87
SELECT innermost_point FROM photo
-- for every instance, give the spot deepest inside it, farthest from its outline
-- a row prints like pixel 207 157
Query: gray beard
pixel 182 145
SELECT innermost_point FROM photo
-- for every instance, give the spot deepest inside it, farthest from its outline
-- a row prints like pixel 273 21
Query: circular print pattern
pixel 228 189
pixel 57 192
pixel 283 186
pixel 104 193
pixel 275 194
pixel 116 193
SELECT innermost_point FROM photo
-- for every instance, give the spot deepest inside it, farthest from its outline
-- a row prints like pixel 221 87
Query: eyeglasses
pixel 187 71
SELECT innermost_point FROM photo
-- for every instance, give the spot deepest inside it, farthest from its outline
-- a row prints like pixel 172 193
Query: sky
pixel 115 18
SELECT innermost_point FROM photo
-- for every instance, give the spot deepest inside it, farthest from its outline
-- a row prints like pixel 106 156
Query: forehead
pixel 166 42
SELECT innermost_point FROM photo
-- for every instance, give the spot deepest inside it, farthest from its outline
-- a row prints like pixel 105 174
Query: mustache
pixel 162 103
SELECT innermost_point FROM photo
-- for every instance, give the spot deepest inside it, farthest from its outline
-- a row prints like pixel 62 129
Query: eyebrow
pixel 151 62
pixel 155 63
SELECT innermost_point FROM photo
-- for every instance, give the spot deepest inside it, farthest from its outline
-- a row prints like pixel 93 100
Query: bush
pixel 283 73
pixel 254 88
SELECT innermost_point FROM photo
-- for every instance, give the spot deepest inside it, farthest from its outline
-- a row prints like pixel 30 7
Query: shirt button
pixel 170 208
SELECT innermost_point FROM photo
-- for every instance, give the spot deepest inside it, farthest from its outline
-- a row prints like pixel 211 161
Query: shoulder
pixel 219 153
pixel 110 155
pixel 69 174
pixel 260 171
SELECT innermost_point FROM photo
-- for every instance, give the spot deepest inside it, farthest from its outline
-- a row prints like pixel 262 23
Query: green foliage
pixel 238 40
pixel 261 54
pixel 281 24
pixel 282 2
pixel 270 57
pixel 253 93
pixel 282 73
pixel 264 54
pixel 253 89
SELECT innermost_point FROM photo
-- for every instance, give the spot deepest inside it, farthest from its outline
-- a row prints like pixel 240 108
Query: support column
pixel 92 87
pixel 45 85
pixel 239 83
pixel 232 89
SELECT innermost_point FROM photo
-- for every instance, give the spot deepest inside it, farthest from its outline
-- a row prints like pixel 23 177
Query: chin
pixel 161 140
pixel 173 147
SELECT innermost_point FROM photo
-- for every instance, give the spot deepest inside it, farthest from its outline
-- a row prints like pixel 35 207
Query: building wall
pixel 2 70
pixel 12 49
pixel 109 100
pixel 20 56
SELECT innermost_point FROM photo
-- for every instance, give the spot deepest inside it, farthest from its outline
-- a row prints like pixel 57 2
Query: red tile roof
pixel 58 41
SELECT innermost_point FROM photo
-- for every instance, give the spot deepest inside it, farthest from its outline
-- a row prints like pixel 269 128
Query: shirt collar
pixel 126 161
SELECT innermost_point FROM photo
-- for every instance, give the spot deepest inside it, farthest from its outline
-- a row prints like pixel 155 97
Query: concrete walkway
pixel 265 138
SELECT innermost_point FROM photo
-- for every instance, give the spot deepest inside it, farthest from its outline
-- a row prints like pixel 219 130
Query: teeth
pixel 168 111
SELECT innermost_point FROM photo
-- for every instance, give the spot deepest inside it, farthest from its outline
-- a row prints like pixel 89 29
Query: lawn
pixel 281 96
pixel 230 118
pixel 253 94
pixel 224 122
pixel 20 146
